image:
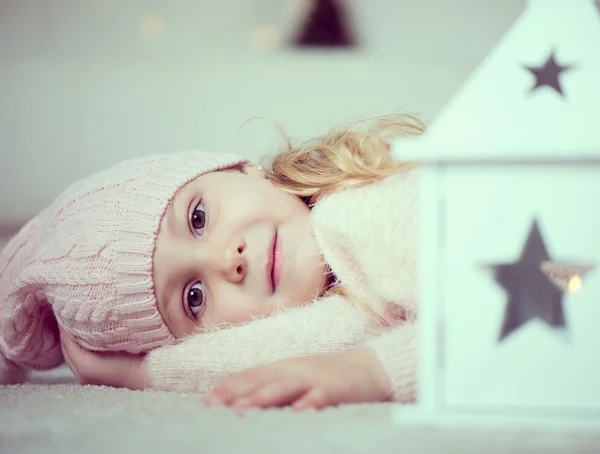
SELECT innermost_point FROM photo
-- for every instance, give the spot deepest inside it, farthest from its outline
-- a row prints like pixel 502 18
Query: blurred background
pixel 87 83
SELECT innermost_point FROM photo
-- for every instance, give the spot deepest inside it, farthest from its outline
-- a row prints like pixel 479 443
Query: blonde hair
pixel 348 156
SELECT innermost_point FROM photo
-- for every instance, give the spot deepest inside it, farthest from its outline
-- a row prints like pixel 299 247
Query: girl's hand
pixel 121 370
pixel 308 382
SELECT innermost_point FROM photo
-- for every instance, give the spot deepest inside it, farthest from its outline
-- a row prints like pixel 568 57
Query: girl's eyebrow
pixel 170 217
pixel 177 213
pixel 165 303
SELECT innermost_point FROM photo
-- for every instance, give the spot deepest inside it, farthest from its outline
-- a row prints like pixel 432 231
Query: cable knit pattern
pixel 368 237
pixel 85 263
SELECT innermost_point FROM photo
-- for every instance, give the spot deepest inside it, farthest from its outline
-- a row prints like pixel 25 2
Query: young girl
pixel 289 286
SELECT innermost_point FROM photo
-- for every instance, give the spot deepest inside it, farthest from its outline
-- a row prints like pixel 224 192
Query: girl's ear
pixel 255 171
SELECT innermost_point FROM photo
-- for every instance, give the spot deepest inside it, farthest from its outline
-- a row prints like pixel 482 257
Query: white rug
pixel 55 415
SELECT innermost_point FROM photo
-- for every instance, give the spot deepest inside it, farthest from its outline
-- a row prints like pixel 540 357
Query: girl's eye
pixel 195 299
pixel 198 219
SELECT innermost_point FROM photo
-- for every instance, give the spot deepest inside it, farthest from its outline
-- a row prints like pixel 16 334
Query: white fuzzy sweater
pixel 368 238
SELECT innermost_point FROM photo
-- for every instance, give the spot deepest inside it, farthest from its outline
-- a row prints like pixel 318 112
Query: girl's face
pixel 231 247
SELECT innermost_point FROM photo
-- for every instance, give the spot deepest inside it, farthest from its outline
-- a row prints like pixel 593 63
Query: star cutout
pixel 548 75
pixel 531 291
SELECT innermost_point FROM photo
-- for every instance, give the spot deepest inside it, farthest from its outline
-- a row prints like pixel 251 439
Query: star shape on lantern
pixel 536 285
pixel 548 74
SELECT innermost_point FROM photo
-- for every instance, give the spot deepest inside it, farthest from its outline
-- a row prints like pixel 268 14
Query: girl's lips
pixel 269 269
pixel 277 262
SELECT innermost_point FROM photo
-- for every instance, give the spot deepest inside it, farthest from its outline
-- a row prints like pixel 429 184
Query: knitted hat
pixel 85 264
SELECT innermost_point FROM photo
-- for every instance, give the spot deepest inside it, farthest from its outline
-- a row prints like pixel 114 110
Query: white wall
pixel 82 88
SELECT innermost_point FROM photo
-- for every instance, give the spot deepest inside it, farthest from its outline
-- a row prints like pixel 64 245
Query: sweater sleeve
pixel 201 361
pixel 397 351
pixel 369 237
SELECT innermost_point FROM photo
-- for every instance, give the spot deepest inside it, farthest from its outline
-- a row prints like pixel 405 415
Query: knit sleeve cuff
pixel 173 368
pixel 397 350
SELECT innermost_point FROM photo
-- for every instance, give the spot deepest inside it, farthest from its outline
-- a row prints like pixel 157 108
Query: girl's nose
pixel 231 261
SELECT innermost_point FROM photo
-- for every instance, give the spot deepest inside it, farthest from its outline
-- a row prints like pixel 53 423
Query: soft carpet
pixel 55 415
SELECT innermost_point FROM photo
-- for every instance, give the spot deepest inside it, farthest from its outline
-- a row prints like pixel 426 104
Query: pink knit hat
pixel 85 264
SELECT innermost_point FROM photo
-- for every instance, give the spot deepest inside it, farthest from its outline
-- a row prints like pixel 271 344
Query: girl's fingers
pixel 67 356
pixel 235 387
pixel 316 398
pixel 273 394
pixel 68 350
pixel 112 369
pixel 220 395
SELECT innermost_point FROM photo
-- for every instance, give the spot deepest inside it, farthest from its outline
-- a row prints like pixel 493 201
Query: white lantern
pixel 510 230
